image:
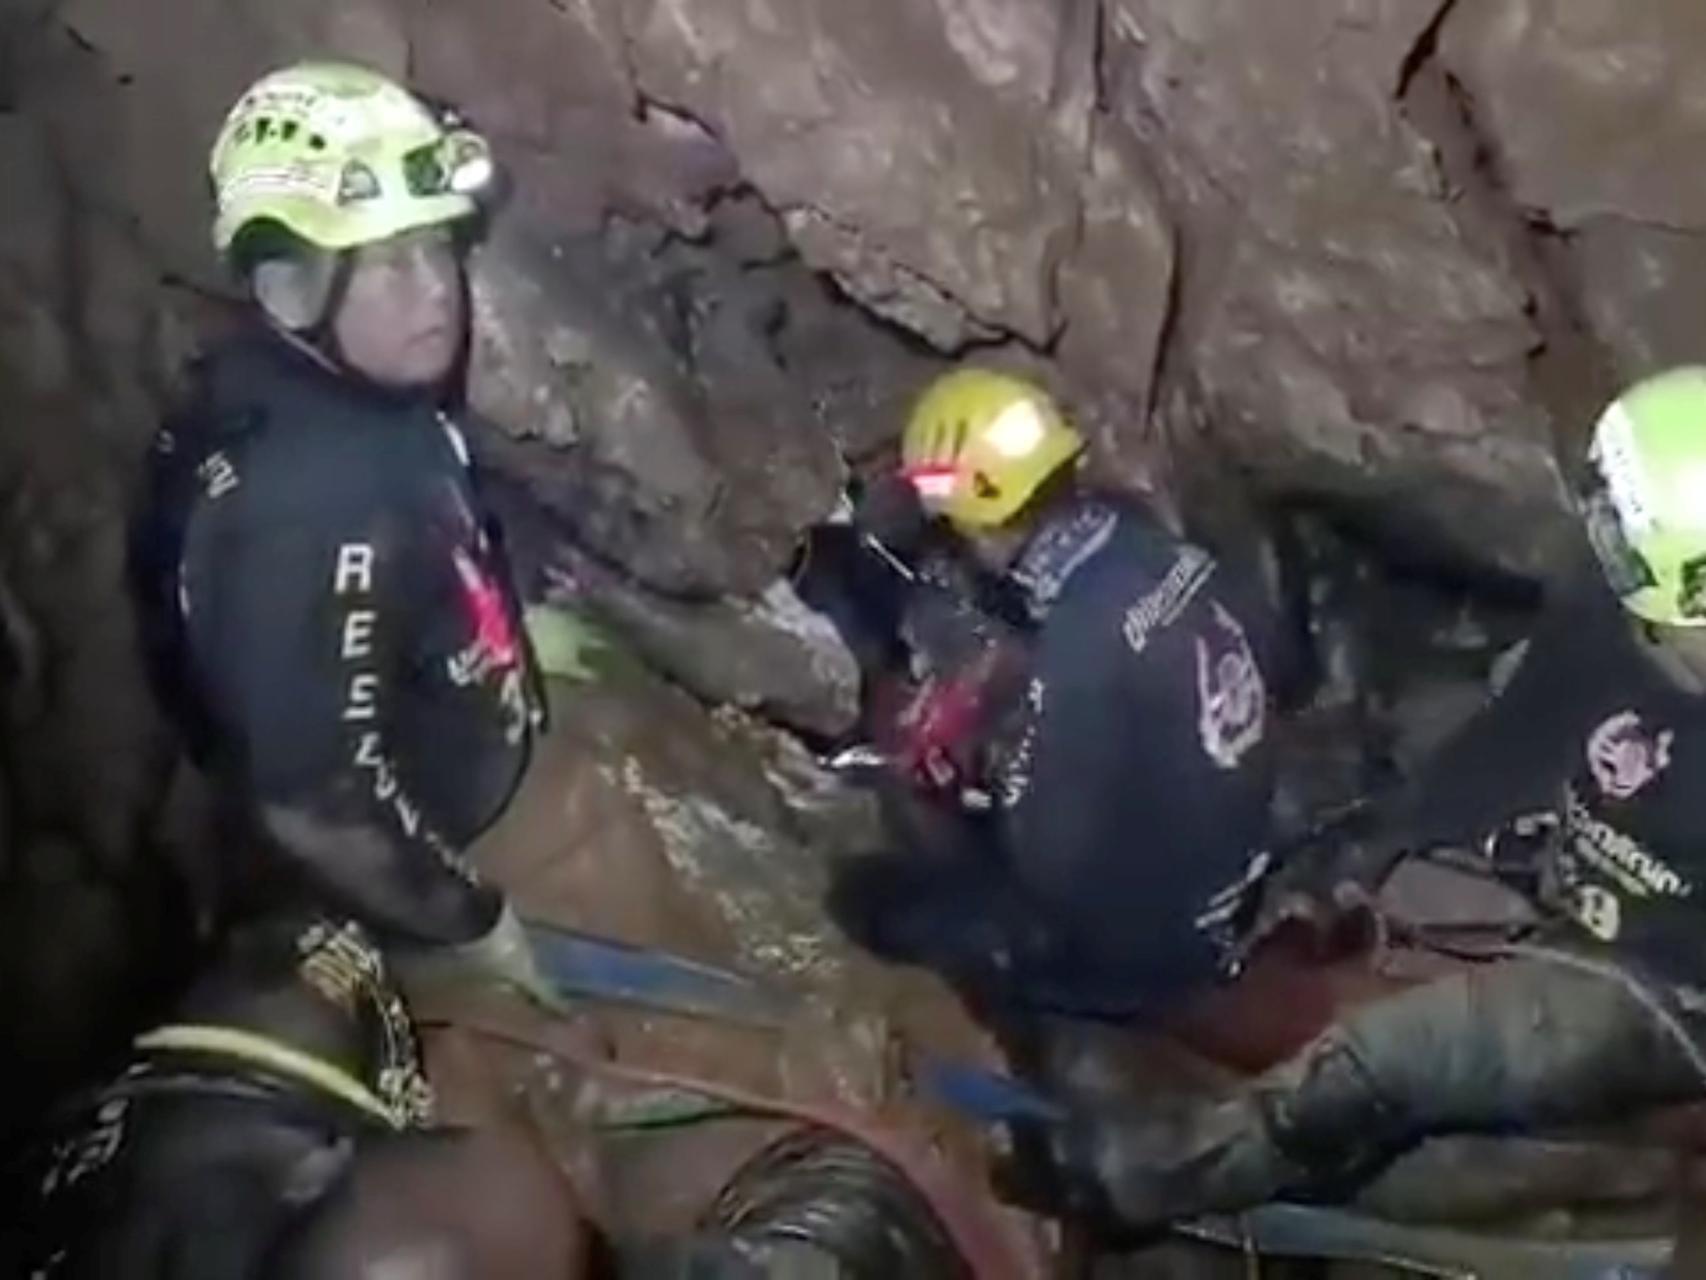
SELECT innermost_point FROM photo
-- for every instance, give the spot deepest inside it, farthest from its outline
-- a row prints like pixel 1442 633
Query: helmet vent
pixel 357 183
pixel 1691 596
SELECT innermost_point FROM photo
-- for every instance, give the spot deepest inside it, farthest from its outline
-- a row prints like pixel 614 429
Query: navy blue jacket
pixel 1132 790
pixel 334 625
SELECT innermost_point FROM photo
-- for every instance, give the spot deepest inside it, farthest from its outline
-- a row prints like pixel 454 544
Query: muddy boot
pixel 1134 1173
pixel 1521 1044
pixel 1308 1126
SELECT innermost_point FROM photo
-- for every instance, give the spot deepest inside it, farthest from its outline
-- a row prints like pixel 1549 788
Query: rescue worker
pixel 329 608
pixel 281 1125
pixel 938 650
pixel 1582 782
pixel 1132 784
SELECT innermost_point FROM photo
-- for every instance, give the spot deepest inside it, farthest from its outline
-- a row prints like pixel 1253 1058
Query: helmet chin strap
pixel 300 293
pixel 300 297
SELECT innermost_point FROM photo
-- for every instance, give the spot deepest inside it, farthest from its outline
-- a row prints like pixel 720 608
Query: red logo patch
pixel 494 645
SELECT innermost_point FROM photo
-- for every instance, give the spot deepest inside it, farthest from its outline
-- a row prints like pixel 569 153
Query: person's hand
pixel 505 954
pixel 1326 894
pixel 938 731
pixel 563 642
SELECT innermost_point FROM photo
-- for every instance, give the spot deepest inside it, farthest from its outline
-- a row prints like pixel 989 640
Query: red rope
pixel 988 1247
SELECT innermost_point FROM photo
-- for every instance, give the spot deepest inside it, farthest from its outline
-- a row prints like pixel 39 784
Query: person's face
pixel 403 315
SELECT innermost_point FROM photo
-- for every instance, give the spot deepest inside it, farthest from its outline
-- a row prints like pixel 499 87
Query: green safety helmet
pixel 339 156
pixel 1645 500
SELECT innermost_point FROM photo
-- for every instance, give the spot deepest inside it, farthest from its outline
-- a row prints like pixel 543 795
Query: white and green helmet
pixel 1645 501
pixel 340 156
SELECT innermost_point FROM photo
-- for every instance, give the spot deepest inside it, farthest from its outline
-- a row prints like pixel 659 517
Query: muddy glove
pixel 1328 920
pixel 505 954
pixel 563 642
pixel 1324 884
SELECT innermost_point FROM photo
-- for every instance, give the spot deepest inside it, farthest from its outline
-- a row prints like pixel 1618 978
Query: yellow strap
pixel 263 1051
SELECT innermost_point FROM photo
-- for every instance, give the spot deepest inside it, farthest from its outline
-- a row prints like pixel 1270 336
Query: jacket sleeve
pixel 296 627
pixel 1513 756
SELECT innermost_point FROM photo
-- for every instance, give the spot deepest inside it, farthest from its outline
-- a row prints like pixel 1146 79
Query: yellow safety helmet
pixel 980 444
pixel 341 156
pixel 1645 497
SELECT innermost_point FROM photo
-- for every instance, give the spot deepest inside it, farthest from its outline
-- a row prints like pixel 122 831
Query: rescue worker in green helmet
pixel 329 610
pixel 1132 784
pixel 1584 785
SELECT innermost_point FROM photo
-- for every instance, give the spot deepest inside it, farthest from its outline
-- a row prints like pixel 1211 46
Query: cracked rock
pixel 1348 332
pixel 1593 111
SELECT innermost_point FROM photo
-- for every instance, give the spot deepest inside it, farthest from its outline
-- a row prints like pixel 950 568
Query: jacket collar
pixel 1063 545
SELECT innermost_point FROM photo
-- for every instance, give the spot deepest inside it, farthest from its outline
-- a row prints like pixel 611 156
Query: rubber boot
pixel 1308 1126
pixel 1141 1173
pixel 1549 1039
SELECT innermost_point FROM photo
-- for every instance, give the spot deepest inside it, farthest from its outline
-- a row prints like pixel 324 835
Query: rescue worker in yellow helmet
pixel 1580 786
pixel 330 615
pixel 1132 789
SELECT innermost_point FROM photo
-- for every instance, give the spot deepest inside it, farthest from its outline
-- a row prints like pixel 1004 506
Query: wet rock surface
pixel 1590 114
pixel 1343 329
pixel 647 819
pixel 84 762
pixel 1145 193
